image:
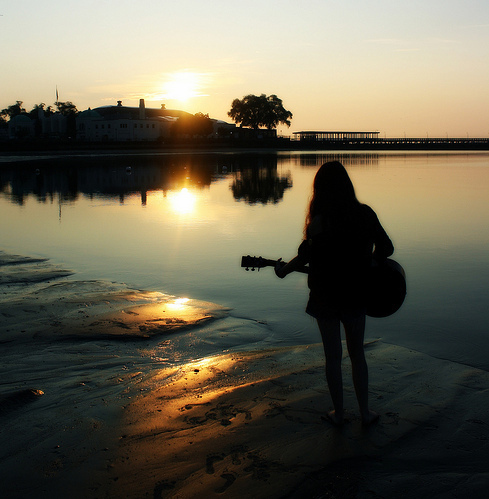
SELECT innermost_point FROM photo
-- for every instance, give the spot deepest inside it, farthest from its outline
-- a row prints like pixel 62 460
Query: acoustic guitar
pixel 386 286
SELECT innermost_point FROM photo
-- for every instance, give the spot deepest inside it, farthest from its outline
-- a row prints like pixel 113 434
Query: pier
pixel 371 140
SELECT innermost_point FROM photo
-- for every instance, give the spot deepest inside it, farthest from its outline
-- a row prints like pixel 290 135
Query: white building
pixel 21 127
pixel 122 123
pixel 54 125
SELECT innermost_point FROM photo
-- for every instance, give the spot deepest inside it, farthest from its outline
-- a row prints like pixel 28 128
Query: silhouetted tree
pixel 35 115
pixel 197 125
pixel 66 108
pixel 69 110
pixel 202 124
pixel 13 110
pixel 34 112
pixel 259 111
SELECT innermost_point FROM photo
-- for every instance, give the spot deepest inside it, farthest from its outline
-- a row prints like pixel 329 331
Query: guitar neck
pixel 258 262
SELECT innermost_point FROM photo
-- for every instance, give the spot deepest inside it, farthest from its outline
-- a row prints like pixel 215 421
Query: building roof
pixel 89 114
pixel 132 113
pixel 20 118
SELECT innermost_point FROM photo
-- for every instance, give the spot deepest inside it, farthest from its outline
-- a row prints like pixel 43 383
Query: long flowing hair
pixel 333 197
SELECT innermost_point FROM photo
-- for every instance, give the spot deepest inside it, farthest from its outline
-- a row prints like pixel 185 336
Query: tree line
pixel 65 108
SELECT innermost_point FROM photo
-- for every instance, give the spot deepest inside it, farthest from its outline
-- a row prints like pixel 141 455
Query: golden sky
pixel 418 68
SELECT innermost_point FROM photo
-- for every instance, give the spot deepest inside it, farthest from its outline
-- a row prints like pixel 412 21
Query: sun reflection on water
pixel 177 304
pixel 182 202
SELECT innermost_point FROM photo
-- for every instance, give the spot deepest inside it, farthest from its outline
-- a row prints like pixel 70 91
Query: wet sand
pixel 249 425
pixel 238 424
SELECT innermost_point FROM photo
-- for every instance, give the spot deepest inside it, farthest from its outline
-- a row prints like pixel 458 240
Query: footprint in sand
pixel 230 479
pixel 209 463
pixel 161 487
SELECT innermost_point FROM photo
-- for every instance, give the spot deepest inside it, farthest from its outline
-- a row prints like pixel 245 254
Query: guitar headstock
pixel 256 262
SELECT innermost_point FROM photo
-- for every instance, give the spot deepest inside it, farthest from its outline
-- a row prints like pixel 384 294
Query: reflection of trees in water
pixel 117 177
pixel 260 185
pixel 256 179
pixel 18 184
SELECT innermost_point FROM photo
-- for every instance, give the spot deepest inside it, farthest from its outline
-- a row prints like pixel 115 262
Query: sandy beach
pixel 238 424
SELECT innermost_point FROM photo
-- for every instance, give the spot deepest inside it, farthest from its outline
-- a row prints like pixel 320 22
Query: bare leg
pixel 331 335
pixel 355 331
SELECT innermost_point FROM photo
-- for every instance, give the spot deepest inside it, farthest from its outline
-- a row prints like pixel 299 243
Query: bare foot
pixel 334 418
pixel 372 417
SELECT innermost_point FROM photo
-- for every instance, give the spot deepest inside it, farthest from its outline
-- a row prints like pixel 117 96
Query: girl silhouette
pixel 341 236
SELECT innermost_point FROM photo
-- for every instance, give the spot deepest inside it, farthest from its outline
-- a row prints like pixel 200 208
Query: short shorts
pixel 321 308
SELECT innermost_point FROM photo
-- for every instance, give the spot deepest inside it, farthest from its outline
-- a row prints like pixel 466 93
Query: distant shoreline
pixel 279 144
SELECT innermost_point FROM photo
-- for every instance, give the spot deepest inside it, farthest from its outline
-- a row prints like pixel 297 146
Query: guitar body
pixel 387 288
pixel 387 284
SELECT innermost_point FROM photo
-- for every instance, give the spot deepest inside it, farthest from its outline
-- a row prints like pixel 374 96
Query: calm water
pixel 180 223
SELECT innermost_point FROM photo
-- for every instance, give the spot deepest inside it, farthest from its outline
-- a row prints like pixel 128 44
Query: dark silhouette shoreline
pixel 16 147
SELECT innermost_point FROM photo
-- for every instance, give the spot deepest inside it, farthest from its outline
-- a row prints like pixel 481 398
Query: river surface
pixel 179 224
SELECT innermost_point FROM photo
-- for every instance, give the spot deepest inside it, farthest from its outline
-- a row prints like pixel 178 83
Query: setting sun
pixel 182 86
